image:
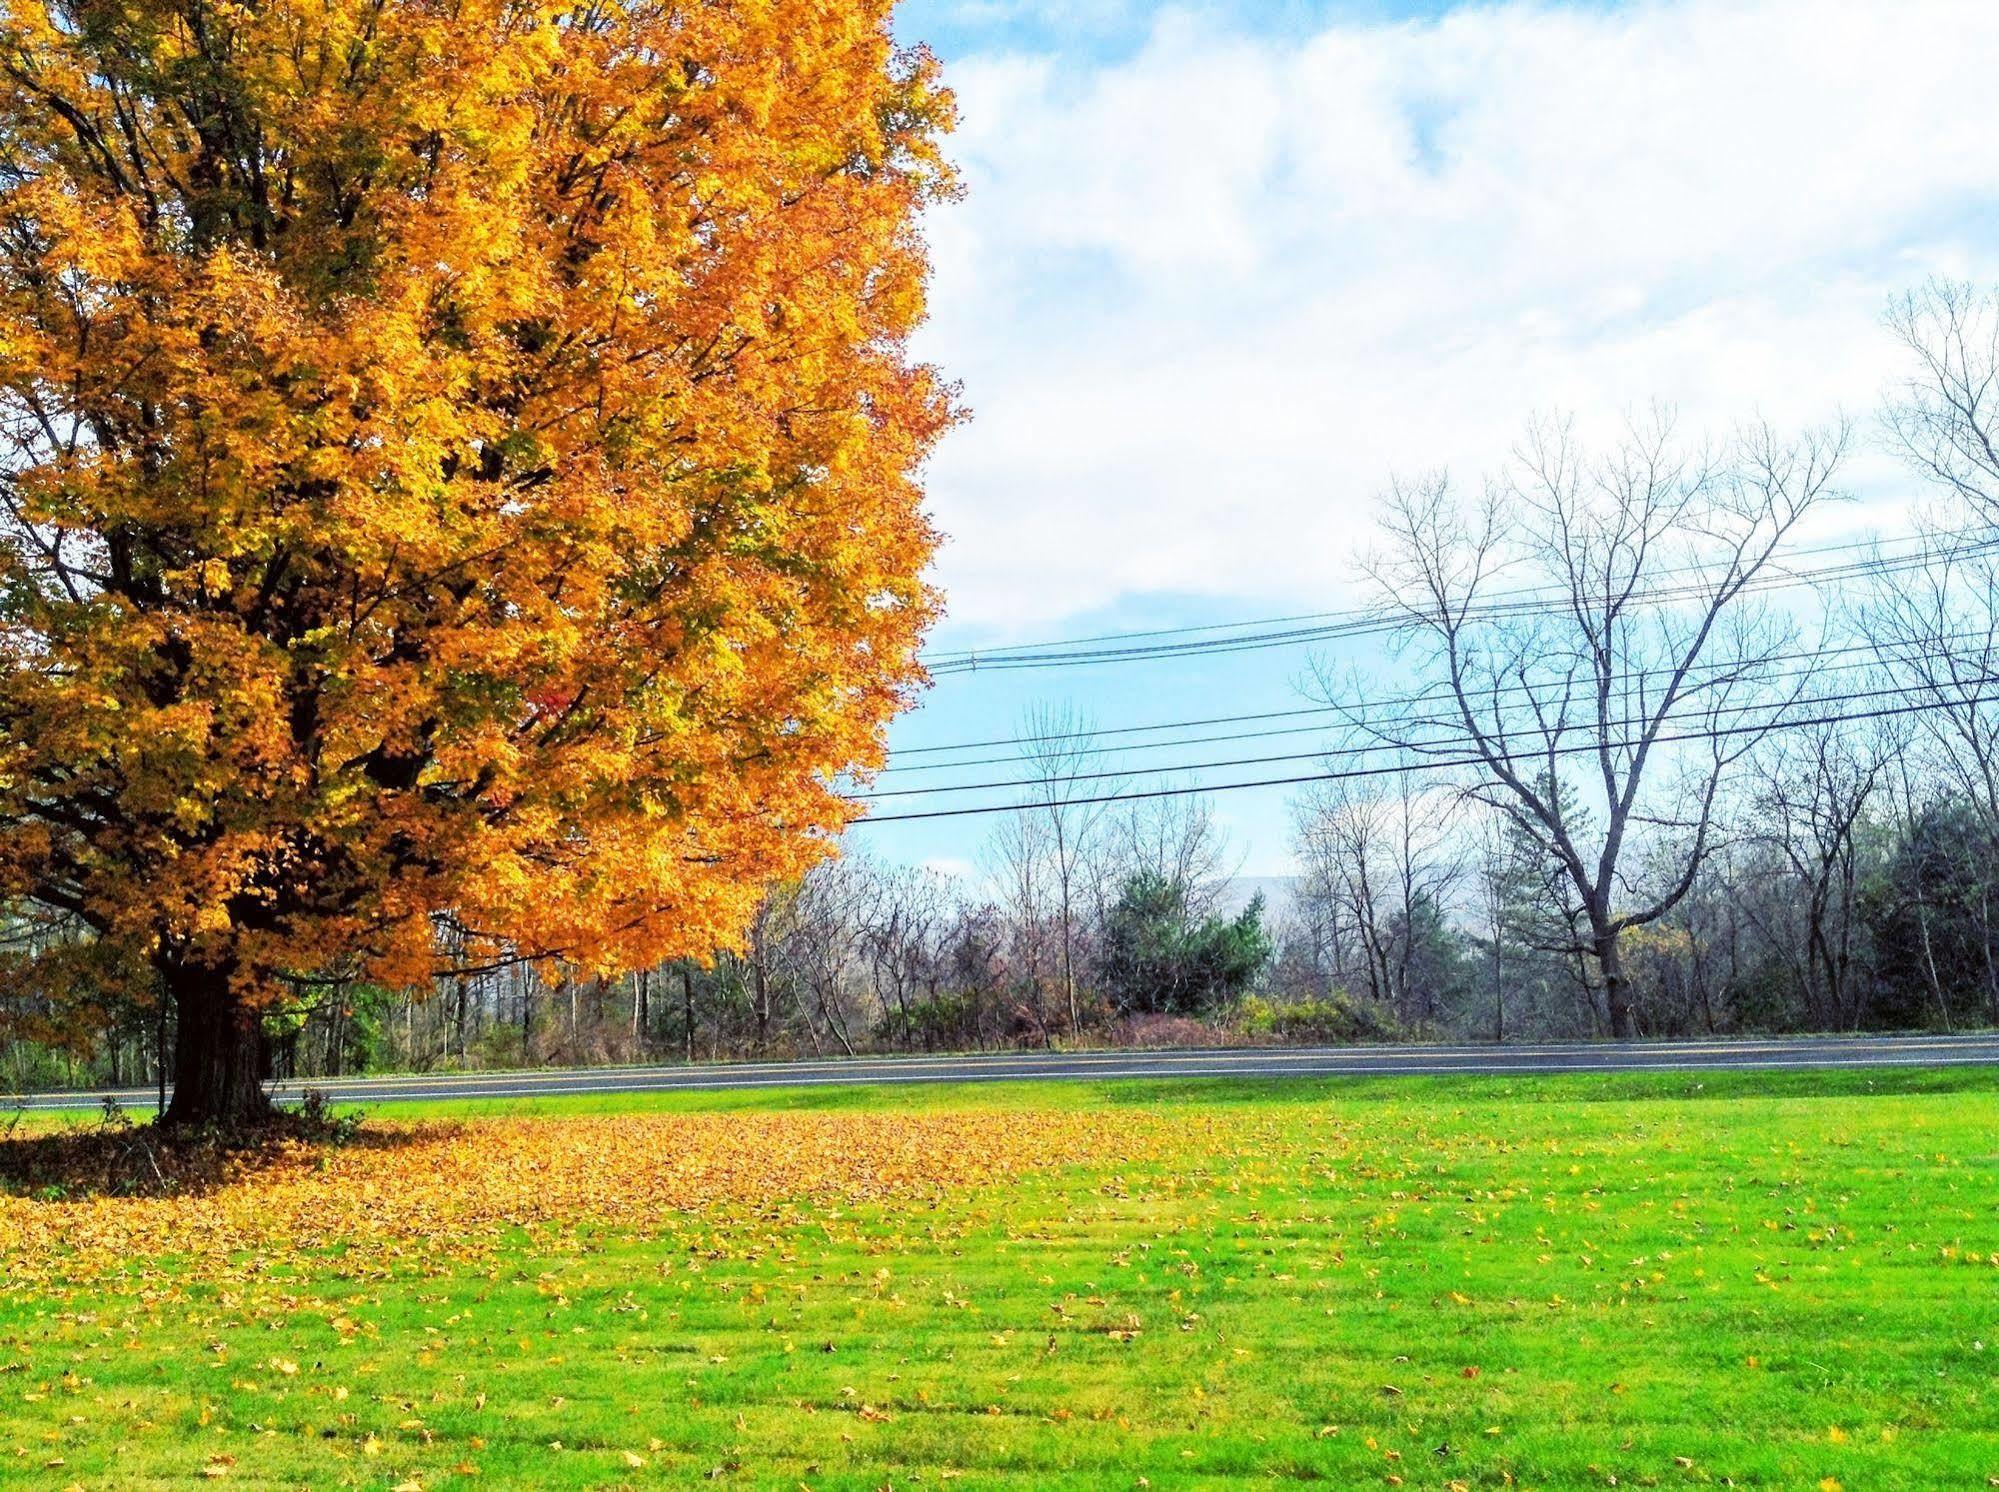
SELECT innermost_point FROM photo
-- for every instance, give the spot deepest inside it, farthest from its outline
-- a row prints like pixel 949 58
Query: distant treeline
pixel 1852 899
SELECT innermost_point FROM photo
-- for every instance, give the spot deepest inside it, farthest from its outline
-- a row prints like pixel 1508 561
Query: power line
pixel 1432 765
pixel 1118 730
pixel 1843 547
pixel 1364 622
pixel 1341 753
pixel 1378 624
pixel 1000 651
pixel 1429 695
pixel 1988 542
pixel 1425 695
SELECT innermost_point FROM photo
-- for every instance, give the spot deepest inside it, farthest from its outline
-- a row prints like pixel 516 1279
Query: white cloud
pixel 1206 298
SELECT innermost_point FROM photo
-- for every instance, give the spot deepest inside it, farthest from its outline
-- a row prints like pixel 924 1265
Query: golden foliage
pixel 445 1194
pixel 457 458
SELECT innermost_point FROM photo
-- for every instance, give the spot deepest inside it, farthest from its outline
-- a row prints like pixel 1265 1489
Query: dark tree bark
pixel 218 1052
pixel 1649 664
pixel 1610 968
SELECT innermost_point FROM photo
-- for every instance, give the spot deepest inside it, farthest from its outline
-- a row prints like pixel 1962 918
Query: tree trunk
pixel 336 1031
pixel 1069 962
pixel 218 1053
pixel 1610 965
pixel 760 983
pixel 164 996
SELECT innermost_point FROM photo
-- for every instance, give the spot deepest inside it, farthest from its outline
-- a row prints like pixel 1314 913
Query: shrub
pixel 1161 959
pixel 937 1021
pixel 1336 1018
pixel 1163 1031
pixel 29 1067
pixel 317 1120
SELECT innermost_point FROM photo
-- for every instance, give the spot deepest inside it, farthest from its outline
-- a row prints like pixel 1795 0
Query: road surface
pixel 1234 1062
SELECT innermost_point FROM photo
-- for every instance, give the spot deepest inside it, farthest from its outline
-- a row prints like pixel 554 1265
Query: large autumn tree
pixel 460 467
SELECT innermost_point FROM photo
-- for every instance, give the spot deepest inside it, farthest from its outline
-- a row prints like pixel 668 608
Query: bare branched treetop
pixel 1595 629
pixel 1944 418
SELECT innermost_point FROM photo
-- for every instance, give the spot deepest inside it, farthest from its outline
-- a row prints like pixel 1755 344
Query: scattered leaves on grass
pixel 453 1191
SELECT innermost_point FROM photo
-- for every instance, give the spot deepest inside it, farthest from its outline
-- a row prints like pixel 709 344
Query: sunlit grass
pixel 1769 1279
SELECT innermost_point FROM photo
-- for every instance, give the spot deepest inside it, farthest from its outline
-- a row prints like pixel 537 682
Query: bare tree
pixel 1818 783
pixel 1386 849
pixel 821 945
pixel 1060 753
pixel 1178 840
pixel 1638 647
pixel 972 958
pixel 1944 419
pixel 1935 630
pixel 1316 938
pixel 1495 873
pixel 903 919
pixel 1018 859
pixel 756 967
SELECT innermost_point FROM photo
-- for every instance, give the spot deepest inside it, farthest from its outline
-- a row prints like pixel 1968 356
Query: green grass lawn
pixel 1755 1280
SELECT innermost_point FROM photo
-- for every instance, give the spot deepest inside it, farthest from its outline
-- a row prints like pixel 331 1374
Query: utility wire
pixel 1430 694
pixel 1843 547
pixel 1362 623
pixel 1440 765
pixel 1447 723
pixel 1530 594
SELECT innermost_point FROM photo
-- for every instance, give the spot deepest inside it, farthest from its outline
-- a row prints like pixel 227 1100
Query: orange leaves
pixel 451 1194
pixel 481 478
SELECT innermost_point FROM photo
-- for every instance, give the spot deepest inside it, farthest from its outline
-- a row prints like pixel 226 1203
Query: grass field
pixel 1753 1280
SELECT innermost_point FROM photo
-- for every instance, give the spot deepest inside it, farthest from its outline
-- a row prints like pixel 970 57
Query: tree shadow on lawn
pixel 118 1158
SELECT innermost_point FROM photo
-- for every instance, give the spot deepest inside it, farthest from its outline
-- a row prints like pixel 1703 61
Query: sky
pixel 1220 272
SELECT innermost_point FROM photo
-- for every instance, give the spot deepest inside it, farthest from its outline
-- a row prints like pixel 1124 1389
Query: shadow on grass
pixel 117 1158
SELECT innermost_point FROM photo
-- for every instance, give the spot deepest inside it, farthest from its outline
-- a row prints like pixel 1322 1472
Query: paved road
pixel 1235 1062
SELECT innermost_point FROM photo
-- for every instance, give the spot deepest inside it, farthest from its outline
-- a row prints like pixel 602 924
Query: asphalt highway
pixel 1230 1062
